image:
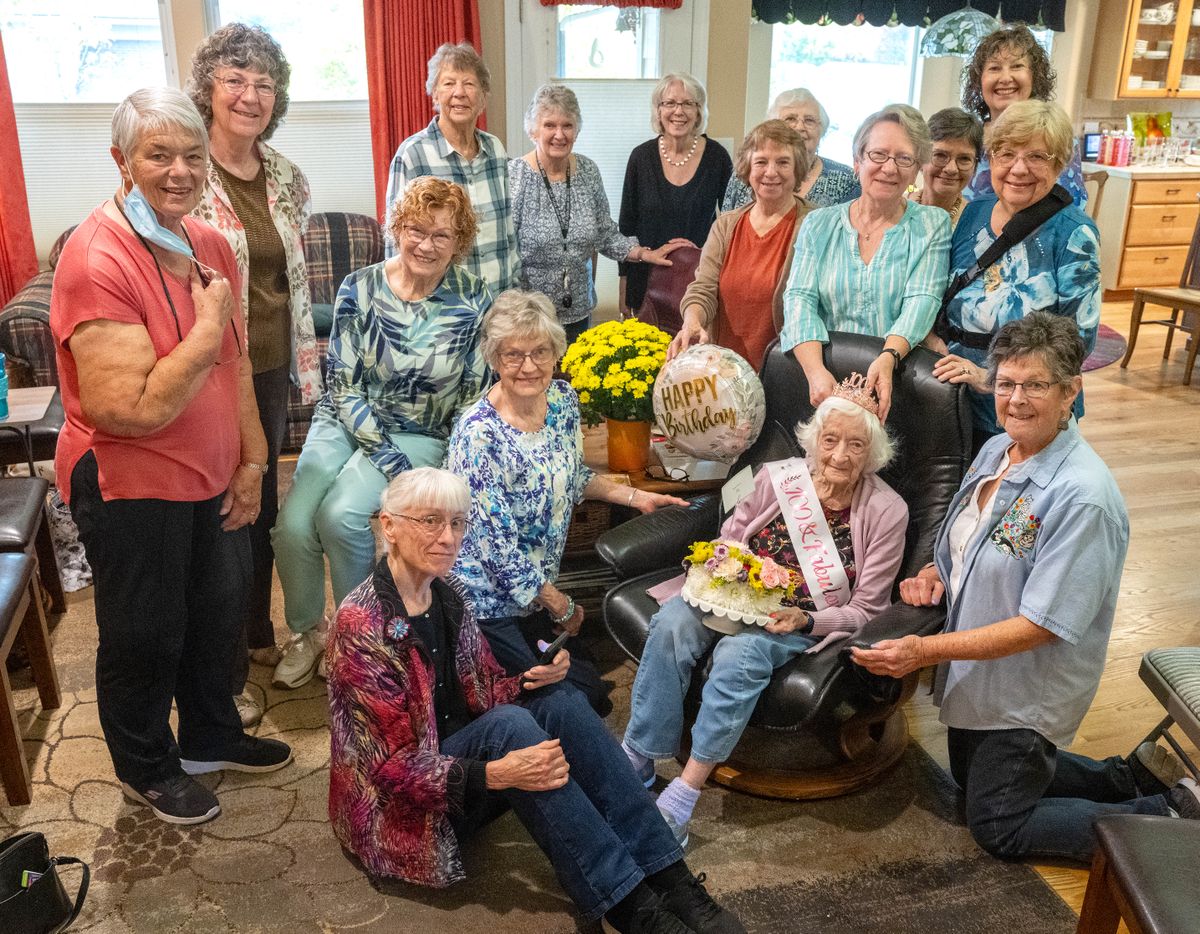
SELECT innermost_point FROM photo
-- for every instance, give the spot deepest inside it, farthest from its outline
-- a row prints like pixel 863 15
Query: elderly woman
pixel 561 212
pixel 430 739
pixel 674 182
pixel 260 202
pixel 1054 267
pixel 826 182
pixel 1022 654
pixel 874 266
pixel 736 298
pixel 520 448
pixel 1009 66
pixel 863 522
pixel 403 360
pixel 151 356
pixel 452 148
pixel 957 139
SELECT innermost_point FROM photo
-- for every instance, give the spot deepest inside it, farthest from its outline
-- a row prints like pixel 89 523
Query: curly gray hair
pixel 237 45
pixel 1053 338
pixel 520 315
pixel 460 57
pixel 552 97
pixel 880 447
pixel 797 97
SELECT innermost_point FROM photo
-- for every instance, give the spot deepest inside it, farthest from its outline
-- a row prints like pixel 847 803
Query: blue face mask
pixel 142 218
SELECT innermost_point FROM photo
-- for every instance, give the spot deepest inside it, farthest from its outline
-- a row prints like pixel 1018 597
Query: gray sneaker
pixel 179 799
pixel 248 709
pixel 679 830
pixel 1152 763
pixel 300 660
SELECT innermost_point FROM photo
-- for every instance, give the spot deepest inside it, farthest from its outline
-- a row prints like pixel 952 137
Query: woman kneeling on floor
pixel 431 740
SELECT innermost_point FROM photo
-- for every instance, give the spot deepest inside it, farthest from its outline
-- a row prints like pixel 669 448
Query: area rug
pixel 1110 347
pixel 894 858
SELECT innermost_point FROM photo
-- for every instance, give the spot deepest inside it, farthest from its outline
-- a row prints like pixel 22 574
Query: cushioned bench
pixel 1173 676
pixel 25 527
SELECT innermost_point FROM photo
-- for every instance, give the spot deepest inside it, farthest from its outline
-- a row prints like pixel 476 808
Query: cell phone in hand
pixel 547 657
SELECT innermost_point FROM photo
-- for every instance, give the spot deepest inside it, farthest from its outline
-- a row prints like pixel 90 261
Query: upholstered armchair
pixel 823 726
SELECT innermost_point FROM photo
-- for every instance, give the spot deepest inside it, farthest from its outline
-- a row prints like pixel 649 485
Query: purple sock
pixel 679 800
pixel 636 759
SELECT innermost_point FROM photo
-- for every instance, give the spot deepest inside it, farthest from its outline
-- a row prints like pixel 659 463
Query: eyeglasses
pixel 516 358
pixel 433 525
pixel 678 105
pixel 962 163
pixel 417 235
pixel 1034 388
pixel 1035 160
pixel 809 123
pixel 903 160
pixel 659 472
pixel 237 86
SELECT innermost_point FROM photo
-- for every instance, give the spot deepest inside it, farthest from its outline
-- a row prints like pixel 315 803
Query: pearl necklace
pixel 662 151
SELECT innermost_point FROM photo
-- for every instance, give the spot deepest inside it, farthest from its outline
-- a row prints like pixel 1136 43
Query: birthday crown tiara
pixel 854 389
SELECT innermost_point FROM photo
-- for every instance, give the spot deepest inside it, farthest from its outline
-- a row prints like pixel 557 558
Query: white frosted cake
pixel 728 581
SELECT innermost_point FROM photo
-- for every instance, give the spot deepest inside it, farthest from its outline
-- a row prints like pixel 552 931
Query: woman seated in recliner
pixel 855 543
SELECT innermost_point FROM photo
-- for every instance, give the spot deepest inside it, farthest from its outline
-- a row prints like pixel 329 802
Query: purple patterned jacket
pixel 390 790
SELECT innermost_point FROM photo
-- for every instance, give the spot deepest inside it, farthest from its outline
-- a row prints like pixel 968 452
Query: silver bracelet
pixel 632 494
pixel 570 611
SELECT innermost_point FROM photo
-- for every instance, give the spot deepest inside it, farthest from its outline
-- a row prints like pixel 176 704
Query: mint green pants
pixel 328 512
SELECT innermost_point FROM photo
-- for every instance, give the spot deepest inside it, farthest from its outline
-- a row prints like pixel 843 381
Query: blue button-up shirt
pixel 1051 550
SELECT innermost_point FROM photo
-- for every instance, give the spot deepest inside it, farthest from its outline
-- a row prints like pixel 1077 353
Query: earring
pixel 1064 422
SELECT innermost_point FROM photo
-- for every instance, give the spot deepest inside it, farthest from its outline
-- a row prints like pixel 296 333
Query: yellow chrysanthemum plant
pixel 613 367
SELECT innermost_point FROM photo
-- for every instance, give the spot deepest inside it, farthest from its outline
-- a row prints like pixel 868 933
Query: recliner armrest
pixel 658 539
pixel 900 620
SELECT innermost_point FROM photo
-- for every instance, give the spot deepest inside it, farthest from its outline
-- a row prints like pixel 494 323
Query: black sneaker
pixel 691 903
pixel 177 800
pixel 652 919
pixel 251 754
pixel 1184 798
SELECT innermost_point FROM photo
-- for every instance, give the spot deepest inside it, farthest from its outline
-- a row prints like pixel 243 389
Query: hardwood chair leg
pixel 1135 322
pixel 1193 345
pixel 14 770
pixel 41 655
pixel 1171 333
pixel 1100 914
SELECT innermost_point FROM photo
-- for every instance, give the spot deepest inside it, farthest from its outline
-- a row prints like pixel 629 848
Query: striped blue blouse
pixel 898 292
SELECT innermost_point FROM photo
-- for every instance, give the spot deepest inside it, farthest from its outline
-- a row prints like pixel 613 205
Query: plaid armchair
pixel 335 245
pixel 25 335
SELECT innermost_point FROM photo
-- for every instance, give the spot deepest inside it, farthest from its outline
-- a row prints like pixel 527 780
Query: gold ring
pixel 963 370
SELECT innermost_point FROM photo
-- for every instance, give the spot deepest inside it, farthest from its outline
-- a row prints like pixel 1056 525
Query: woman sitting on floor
pixel 431 740
pixel 861 525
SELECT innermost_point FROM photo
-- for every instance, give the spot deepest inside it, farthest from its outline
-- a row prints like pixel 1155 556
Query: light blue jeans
pixel 741 669
pixel 328 512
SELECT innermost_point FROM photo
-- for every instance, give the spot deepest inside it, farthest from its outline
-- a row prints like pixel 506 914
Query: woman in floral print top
pixel 520 448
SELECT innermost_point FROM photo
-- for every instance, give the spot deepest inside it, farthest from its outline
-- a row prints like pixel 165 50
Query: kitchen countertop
pixel 1164 172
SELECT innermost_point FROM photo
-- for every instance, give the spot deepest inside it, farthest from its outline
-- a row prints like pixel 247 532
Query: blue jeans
pixel 328 511
pixel 1025 797
pixel 741 669
pixel 601 831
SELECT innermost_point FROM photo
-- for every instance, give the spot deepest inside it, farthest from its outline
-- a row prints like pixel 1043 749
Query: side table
pixel 26 406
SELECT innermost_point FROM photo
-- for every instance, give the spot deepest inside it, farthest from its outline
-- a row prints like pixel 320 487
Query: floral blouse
pixel 524 486
pixel 775 542
pixel 290 204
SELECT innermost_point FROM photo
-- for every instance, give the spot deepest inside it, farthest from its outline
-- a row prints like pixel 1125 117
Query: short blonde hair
pixel 1024 120
pixel 520 315
pixel 910 121
pixel 772 131
pixel 428 488
pixel 690 86
pixel 427 194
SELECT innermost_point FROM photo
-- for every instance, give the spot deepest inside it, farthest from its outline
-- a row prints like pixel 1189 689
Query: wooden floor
pixel 1146 426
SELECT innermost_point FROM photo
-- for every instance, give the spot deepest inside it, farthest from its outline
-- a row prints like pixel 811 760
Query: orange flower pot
pixel 628 445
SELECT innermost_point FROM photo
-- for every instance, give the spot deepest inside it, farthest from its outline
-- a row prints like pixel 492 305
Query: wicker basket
pixel 588 521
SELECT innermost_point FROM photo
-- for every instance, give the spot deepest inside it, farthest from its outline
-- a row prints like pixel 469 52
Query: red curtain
pixel 401 37
pixel 659 4
pixel 18 258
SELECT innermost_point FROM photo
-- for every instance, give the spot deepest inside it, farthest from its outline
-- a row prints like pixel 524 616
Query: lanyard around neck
pixel 563 225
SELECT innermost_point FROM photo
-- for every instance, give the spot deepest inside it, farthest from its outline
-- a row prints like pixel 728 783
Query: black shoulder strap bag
pixel 1019 226
pixel 32 898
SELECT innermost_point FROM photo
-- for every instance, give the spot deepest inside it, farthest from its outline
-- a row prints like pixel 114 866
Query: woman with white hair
pixel 826 182
pixel 876 265
pixel 561 212
pixel 674 182
pixel 430 740
pixel 863 521
pixel 520 448
pixel 160 460
pixel 453 148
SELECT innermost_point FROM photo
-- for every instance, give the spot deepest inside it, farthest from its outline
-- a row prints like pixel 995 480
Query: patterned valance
pixel 1049 13
pixel 659 4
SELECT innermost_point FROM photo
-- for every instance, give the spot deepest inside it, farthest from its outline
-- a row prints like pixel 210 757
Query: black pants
pixel 170 604
pixel 271 390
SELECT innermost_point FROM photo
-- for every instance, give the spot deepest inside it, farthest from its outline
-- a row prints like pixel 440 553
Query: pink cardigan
pixel 878 522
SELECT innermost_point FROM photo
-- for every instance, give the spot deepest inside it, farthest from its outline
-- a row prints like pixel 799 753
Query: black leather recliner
pixel 823 726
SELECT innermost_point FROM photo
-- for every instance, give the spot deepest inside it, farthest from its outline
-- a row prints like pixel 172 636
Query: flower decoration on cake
pixel 726 579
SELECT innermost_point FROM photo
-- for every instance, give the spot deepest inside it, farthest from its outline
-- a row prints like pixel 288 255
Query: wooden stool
pixel 21 609
pixel 1144 873
pixel 24 526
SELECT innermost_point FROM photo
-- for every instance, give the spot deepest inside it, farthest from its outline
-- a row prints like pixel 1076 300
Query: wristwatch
pixel 894 352
pixel 807 628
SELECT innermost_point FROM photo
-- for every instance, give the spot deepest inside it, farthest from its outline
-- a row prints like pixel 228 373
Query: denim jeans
pixel 328 512
pixel 741 669
pixel 512 640
pixel 1025 797
pixel 601 831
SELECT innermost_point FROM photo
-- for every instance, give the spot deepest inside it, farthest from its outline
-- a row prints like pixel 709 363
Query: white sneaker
pixel 248 709
pixel 300 660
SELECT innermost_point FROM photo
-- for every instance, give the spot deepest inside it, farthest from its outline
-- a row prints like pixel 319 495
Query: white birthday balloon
pixel 709 403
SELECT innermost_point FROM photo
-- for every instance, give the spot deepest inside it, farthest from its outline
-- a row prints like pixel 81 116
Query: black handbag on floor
pixel 32 898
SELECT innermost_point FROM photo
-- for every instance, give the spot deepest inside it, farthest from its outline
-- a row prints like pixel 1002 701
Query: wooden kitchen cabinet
pixel 1146 220
pixel 1157 54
